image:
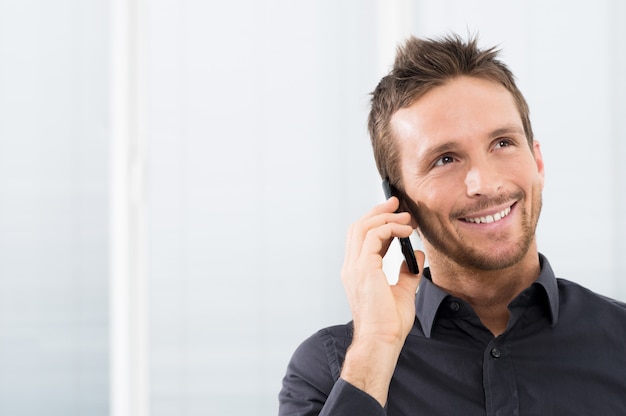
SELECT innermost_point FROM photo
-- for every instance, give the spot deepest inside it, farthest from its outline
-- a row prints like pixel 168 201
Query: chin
pixel 494 259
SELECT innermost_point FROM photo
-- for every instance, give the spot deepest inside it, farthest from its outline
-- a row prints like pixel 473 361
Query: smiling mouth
pixel 490 218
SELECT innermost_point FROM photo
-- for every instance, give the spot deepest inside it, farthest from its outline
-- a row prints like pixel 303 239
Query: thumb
pixel 409 280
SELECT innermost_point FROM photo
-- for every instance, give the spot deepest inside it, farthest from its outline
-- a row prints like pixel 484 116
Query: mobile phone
pixel 405 243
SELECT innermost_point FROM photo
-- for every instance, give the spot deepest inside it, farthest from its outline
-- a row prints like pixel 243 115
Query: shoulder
pixel 583 305
pixel 314 369
pixel 324 349
pixel 573 292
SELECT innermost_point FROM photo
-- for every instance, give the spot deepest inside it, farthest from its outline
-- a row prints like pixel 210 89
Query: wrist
pixel 369 365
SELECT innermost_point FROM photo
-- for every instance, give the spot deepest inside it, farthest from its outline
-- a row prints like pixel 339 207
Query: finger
pixel 407 280
pixel 370 251
pixel 387 207
pixel 390 205
pixel 377 240
pixel 358 231
pixel 383 227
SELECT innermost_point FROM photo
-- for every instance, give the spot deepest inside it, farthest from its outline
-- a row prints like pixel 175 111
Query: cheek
pixel 541 180
pixel 436 198
pixel 427 213
pixel 524 174
pixel 441 196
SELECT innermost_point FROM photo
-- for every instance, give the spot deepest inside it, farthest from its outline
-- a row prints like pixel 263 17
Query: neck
pixel 488 292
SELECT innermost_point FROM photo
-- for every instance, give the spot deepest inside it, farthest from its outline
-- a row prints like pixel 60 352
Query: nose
pixel 482 179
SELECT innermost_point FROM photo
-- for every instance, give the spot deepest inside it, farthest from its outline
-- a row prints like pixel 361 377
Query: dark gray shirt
pixel 563 353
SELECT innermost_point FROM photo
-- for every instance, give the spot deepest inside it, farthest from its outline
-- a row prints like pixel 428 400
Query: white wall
pixel 232 137
pixel 257 162
pixel 54 213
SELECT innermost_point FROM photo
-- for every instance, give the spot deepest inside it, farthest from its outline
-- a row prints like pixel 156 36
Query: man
pixel 491 330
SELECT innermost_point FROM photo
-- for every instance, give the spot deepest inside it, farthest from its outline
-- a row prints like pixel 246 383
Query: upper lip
pixel 490 215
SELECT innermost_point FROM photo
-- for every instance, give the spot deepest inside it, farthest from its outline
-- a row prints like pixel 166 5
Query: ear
pixel 539 161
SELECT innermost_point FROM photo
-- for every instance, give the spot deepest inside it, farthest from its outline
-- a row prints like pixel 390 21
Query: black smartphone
pixel 405 243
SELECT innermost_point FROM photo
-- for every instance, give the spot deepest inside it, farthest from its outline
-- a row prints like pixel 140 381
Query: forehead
pixel 462 108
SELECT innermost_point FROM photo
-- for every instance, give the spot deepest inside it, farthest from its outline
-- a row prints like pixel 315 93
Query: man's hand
pixel 383 314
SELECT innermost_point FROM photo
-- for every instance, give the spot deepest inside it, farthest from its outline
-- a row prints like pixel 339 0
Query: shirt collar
pixel 429 296
pixel 547 280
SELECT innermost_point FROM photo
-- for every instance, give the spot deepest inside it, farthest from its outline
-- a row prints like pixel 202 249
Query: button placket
pixel 499 382
pixel 495 352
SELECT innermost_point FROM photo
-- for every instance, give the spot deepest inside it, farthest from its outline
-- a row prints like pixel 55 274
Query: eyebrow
pixel 513 129
pixel 440 149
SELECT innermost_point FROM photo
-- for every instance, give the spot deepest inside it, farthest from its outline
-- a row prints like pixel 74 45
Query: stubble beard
pixel 458 250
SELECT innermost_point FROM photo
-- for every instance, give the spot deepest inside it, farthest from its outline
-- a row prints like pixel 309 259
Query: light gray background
pixel 255 160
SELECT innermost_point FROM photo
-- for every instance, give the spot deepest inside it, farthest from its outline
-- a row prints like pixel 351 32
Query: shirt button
pixel 495 353
pixel 455 306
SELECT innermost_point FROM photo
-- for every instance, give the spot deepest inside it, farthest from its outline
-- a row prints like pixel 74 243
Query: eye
pixel 444 160
pixel 503 143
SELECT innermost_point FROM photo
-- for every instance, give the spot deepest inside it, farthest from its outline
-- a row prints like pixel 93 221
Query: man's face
pixel 466 164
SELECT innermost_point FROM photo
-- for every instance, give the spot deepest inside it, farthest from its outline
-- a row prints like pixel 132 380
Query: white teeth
pixel 490 218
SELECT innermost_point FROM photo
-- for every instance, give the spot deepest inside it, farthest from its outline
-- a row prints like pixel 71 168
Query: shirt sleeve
pixel 312 387
pixel 345 399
